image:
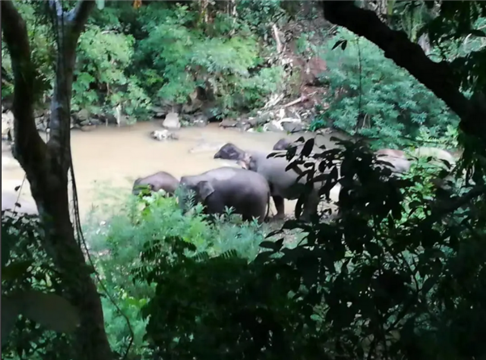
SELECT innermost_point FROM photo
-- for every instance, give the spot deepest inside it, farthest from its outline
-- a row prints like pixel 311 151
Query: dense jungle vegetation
pixel 399 274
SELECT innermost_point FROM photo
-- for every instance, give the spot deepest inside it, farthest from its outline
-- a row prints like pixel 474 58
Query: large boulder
pixel 171 121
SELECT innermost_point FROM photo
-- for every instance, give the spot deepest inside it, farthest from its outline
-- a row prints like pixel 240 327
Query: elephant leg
pixel 310 206
pixel 280 206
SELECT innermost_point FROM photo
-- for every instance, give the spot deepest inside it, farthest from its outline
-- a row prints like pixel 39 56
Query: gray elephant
pixel 396 158
pixel 283 183
pixel 282 144
pixel 230 151
pixel 159 181
pixel 246 191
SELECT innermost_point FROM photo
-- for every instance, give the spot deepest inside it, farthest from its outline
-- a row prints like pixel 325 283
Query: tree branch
pixel 80 14
pixel 29 148
pixel 57 7
pixel 69 28
pixel 443 208
pixel 438 77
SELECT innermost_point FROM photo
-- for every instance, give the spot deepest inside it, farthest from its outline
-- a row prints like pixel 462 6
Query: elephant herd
pixel 248 189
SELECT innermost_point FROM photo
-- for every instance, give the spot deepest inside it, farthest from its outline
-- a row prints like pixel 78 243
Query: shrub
pixel 390 104
pixel 392 277
pixel 139 224
pixel 27 269
pixel 101 80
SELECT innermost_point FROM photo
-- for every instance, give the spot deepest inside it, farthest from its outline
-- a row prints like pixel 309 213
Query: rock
pixel 228 123
pixel 291 113
pixel 229 151
pixel 95 122
pixel 39 113
pixel 293 125
pixel 82 115
pixel 163 135
pixel 160 111
pixel 260 119
pixel 87 127
pixel 41 124
pixel 105 119
pixel 200 120
pixel 171 121
pixel 243 126
pixel 273 126
pixel 212 113
pixel 192 107
pixel 7 124
pixel 6 146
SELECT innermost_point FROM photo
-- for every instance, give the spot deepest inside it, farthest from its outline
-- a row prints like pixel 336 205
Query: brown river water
pixel 114 157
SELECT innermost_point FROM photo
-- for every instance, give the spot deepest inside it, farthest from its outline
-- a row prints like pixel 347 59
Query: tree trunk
pixel 47 164
pixel 438 77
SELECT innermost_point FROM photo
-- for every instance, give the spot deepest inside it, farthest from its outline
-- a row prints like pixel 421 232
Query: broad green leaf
pixel 49 310
pixel 10 313
pixel 100 4
pixel 15 270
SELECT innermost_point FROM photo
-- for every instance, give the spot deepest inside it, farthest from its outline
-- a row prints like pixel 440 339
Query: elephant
pixel 397 159
pixel 246 191
pixel 229 151
pixel 437 153
pixel 283 183
pixel 159 181
pixel 282 144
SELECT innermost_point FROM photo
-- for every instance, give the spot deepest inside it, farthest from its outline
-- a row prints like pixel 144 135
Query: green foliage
pixel 394 276
pixel 183 58
pixel 151 222
pixel 103 57
pixel 32 302
pixel 392 105
pixel 42 51
pixel 258 15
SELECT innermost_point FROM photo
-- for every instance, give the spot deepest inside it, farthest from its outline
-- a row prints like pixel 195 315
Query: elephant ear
pixel 204 189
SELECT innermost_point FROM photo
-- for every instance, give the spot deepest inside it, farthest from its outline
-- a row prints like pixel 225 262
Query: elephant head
pixel 138 188
pixel 229 151
pixel 282 144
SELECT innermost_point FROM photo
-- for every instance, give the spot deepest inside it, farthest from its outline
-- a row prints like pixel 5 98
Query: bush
pixel 389 103
pixel 27 268
pixel 396 275
pixel 101 81
pixel 140 224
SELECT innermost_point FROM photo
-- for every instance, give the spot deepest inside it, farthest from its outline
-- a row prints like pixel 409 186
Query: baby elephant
pixel 397 159
pixel 246 191
pixel 159 181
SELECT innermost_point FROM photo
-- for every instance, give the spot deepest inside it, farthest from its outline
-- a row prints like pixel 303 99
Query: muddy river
pixel 112 158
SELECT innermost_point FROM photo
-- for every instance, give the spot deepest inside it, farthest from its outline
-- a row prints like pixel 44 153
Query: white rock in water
pixel 171 121
pixel 163 135
pixel 7 122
